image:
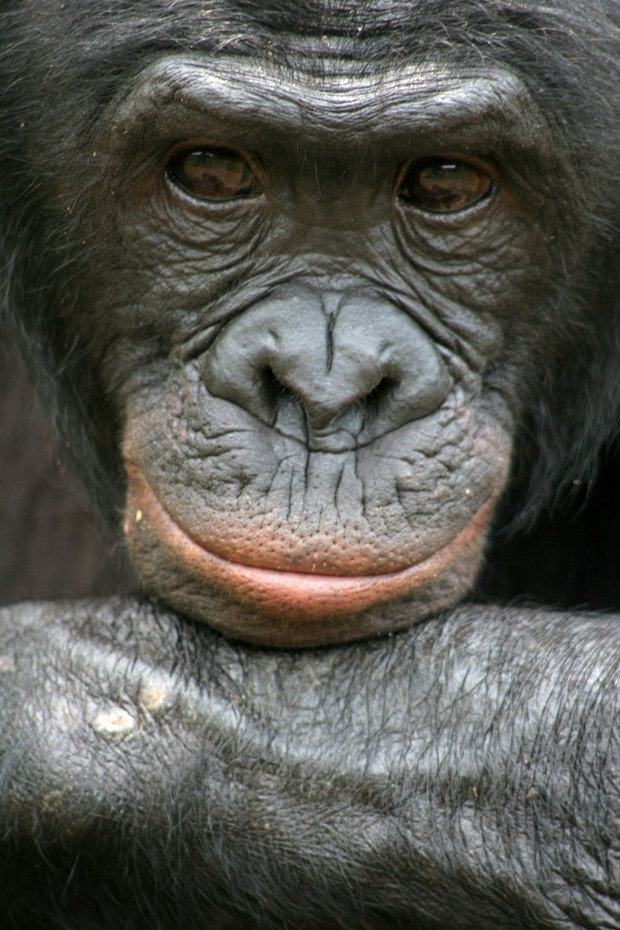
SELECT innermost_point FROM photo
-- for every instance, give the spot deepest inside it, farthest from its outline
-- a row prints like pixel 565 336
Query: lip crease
pixel 296 595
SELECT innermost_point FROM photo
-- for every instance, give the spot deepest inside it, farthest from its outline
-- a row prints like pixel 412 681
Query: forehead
pixel 235 93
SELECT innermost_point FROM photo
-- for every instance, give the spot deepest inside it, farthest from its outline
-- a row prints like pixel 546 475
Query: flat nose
pixel 356 373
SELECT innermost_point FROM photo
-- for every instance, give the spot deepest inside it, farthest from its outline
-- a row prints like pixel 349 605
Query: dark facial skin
pixel 312 447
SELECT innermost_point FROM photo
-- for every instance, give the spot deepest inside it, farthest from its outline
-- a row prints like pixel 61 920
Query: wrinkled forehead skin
pixel 368 109
pixel 320 38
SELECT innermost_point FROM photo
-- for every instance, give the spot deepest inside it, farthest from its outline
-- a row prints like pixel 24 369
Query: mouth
pixel 295 596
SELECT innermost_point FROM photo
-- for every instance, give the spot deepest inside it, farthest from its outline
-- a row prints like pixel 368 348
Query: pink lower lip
pixel 296 595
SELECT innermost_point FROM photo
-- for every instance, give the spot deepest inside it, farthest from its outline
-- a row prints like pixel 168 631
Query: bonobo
pixel 322 300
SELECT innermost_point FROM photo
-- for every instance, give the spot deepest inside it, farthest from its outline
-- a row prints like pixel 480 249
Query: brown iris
pixel 213 174
pixel 441 185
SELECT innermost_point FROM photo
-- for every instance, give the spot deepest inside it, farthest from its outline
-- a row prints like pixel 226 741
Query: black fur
pixel 459 776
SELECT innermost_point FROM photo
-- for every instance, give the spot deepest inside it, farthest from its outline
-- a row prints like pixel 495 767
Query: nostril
pixel 271 387
pixel 377 398
pixel 276 391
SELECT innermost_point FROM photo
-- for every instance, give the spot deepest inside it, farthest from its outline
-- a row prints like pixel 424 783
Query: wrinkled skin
pixel 319 299
pixel 341 482
pixel 430 780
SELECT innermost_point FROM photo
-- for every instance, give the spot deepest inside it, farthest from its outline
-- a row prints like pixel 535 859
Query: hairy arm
pixel 464 774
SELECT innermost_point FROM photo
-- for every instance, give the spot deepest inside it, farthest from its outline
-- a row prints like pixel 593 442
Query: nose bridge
pixel 333 186
pixel 344 212
pixel 350 360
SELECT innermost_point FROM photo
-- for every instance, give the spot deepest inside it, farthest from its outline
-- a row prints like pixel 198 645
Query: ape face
pixel 307 285
pixel 300 304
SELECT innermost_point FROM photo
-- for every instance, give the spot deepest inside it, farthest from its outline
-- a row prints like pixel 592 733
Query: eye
pixel 440 185
pixel 213 174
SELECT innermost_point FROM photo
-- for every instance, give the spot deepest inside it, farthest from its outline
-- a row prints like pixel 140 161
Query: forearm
pixel 465 766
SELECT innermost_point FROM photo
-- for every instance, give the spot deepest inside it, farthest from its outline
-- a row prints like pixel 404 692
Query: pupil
pixel 441 176
pixel 223 170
